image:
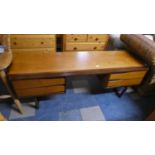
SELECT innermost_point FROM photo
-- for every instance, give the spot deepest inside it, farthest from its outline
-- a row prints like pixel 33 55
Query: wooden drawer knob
pixel 75 48
pixel 95 48
pixel 75 39
pixel 42 42
pixel 15 43
pixel 96 39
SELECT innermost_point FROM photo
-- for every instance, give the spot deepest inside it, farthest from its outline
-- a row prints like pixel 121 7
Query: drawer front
pixel 32 36
pixel 128 75
pixel 48 50
pixel 119 83
pixel 41 91
pixel 85 47
pixel 33 41
pixel 98 37
pixel 27 84
pixel 76 37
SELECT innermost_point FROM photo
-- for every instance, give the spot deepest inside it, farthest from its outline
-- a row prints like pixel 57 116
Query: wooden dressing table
pixel 43 73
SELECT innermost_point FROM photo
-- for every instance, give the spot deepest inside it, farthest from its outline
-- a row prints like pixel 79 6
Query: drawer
pixel 48 50
pixel 26 84
pixel 128 75
pixel 41 91
pixel 32 36
pixel 120 83
pixel 85 47
pixel 34 41
pixel 76 37
pixel 98 37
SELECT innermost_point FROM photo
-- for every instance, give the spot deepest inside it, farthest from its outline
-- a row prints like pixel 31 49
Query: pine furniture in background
pixel 85 42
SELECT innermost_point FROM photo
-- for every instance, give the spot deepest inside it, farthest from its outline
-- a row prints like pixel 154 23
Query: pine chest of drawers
pixel 85 42
pixel 33 42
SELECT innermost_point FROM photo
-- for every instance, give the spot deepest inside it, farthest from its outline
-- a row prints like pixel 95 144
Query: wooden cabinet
pixel 33 42
pixel 85 42
pixel 122 79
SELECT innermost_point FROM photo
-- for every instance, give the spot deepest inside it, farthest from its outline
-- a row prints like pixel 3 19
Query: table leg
pixel 37 103
pixel 15 99
pixel 120 94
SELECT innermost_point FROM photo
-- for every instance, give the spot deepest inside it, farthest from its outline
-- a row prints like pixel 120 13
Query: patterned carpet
pixel 84 100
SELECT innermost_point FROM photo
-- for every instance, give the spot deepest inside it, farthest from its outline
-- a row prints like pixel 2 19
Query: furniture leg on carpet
pixel 120 93
pixel 37 103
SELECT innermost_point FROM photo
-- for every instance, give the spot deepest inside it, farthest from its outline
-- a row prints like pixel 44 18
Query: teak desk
pixel 43 73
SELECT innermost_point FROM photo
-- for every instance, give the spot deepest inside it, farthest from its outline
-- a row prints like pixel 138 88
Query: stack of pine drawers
pixel 85 42
pixel 33 42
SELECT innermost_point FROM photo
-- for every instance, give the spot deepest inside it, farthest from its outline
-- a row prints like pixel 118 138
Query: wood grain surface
pixel 47 64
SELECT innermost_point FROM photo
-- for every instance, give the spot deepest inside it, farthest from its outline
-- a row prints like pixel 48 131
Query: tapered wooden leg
pixel 2 118
pixel 19 105
pixel 16 101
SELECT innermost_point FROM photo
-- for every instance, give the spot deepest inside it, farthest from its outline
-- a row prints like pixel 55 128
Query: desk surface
pixel 41 64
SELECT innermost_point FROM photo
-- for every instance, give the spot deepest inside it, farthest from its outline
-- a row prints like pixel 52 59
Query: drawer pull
pixel 75 48
pixel 96 39
pixel 95 48
pixel 75 39
pixel 42 43
pixel 15 43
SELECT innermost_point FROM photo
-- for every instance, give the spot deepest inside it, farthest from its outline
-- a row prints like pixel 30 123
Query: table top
pixel 46 64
